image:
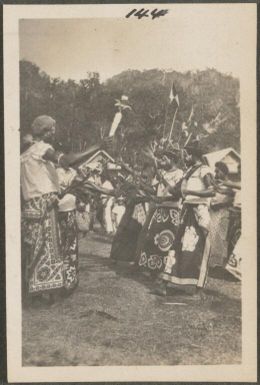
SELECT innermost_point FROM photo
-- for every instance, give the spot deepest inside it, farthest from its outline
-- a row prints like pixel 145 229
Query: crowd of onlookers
pixel 101 212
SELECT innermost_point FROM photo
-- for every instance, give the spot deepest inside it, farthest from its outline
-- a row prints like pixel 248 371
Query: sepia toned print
pixel 131 162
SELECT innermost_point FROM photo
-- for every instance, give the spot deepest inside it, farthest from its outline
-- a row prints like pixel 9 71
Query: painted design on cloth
pixel 154 262
pixel 169 261
pixel 143 259
pixel 235 261
pixel 161 215
pixel 69 247
pixel 139 214
pixel 41 245
pixel 175 217
pixel 164 240
pixel 190 262
pixel 202 216
pixel 158 237
pixel 189 239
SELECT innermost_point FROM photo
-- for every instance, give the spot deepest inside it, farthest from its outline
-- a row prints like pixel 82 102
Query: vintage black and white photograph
pixel 129 164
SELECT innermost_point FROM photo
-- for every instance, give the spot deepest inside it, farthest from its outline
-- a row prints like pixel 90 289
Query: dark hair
pixel 171 155
pixel 222 167
pixel 196 151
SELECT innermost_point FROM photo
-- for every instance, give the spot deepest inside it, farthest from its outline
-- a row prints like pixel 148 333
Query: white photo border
pixel 246 372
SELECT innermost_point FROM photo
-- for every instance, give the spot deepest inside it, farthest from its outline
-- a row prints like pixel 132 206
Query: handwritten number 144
pixel 146 13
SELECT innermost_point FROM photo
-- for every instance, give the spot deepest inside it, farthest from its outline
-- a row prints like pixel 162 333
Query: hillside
pixel 84 110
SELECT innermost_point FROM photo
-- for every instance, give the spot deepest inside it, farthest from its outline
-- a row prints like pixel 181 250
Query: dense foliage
pixel 84 110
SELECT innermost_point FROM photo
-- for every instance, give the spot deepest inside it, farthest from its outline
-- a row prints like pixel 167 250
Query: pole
pixel 187 141
pixel 173 121
pixel 179 138
pixel 165 118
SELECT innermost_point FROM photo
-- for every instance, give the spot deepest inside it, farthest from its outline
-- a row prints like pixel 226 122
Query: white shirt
pixel 195 182
pixel 108 185
pixel 171 177
pixel 38 176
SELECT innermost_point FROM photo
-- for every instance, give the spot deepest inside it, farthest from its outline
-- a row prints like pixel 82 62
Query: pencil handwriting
pixel 155 13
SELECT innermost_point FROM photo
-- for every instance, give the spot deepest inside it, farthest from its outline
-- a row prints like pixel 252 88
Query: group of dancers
pixel 185 223
pixel 174 208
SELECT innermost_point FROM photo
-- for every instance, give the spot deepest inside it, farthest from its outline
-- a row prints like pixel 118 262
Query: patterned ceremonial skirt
pixel 218 236
pixel 49 247
pixel 41 253
pixel 157 242
pixel 69 249
pixel 233 265
pixel 125 240
pixel 188 263
pixel 234 261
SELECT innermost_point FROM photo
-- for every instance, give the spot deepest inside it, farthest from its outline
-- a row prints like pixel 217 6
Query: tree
pixel 84 110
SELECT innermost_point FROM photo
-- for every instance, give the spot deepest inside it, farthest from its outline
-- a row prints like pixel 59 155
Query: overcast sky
pixel 69 48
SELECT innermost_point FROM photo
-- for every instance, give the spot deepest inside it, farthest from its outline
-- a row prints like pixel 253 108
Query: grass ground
pixel 113 319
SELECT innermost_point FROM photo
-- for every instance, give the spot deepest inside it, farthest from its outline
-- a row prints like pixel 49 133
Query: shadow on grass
pixel 95 262
pixel 102 238
pixel 217 301
pixel 218 272
pixel 114 321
